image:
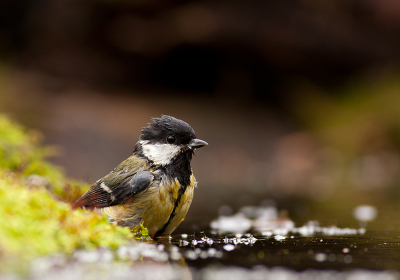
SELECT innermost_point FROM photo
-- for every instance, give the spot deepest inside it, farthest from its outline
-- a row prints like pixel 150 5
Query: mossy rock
pixel 35 220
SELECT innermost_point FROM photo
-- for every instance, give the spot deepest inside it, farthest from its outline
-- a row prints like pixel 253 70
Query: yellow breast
pixel 155 207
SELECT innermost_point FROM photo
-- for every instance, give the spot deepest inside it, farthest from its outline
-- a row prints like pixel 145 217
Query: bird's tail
pixel 86 201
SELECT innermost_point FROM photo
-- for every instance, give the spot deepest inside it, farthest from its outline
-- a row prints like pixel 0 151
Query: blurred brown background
pixel 298 99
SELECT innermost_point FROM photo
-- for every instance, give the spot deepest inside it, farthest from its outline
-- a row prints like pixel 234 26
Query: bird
pixel 154 186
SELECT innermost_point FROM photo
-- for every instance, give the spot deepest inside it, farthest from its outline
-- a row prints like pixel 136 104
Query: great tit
pixel 154 186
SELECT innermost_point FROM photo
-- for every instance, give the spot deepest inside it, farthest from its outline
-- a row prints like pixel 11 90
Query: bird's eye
pixel 171 139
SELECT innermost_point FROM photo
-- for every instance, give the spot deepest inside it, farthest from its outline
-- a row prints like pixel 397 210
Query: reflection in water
pixel 277 252
pixel 261 272
pixel 266 257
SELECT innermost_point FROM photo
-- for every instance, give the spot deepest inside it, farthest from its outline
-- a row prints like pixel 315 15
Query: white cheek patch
pixel 162 154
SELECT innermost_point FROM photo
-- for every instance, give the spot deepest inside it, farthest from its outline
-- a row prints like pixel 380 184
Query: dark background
pixel 298 99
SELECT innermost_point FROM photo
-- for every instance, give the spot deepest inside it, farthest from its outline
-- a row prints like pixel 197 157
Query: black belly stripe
pixel 161 231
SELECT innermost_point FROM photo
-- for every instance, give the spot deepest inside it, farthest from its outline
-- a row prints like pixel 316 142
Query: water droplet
pixel 348 259
pixel 229 247
pixel 320 257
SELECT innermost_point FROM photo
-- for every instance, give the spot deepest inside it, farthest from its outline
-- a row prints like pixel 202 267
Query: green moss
pixel 35 221
pixel 141 233
pixel 20 151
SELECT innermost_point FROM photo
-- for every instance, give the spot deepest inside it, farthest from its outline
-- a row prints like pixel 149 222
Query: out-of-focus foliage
pixel 363 116
pixel 34 221
pixel 20 152
pixel 351 143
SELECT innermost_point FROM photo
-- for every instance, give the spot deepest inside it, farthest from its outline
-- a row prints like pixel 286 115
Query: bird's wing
pixel 116 188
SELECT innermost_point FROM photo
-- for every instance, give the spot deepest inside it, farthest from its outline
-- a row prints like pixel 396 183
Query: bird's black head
pixel 161 129
pixel 168 140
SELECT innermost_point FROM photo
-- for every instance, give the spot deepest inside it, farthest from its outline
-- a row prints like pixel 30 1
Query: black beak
pixel 197 143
